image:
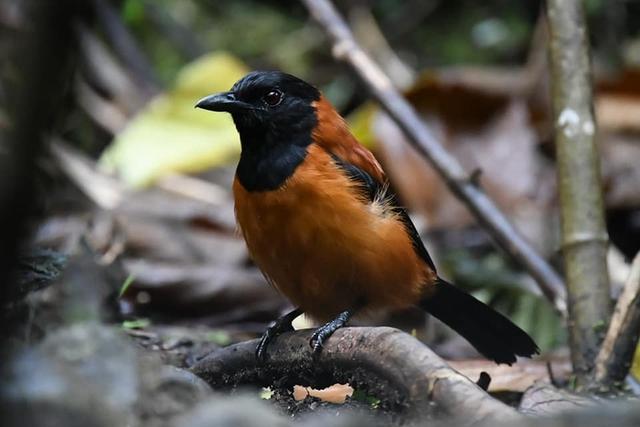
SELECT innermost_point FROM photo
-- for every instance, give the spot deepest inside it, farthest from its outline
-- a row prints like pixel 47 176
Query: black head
pixel 275 117
pixel 266 100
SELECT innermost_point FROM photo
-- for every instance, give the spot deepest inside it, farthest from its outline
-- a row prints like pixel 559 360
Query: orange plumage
pixel 320 222
pixel 332 134
pixel 316 239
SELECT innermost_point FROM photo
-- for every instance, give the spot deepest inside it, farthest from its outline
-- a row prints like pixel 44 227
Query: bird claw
pixel 317 341
pixel 281 325
pixel 261 348
pixel 269 335
pixel 323 333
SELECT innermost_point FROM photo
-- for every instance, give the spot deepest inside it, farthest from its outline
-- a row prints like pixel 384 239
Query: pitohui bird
pixel 320 221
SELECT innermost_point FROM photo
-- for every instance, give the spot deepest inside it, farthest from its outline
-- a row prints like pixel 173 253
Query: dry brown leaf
pixel 618 113
pixel 501 131
pixel 226 293
pixel 336 393
pixel 517 377
pixel 485 132
pixel 617 102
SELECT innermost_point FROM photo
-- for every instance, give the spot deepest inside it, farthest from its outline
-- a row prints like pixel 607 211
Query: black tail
pixel 492 334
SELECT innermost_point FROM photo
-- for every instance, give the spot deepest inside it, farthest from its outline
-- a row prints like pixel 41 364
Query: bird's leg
pixel 325 331
pixel 283 324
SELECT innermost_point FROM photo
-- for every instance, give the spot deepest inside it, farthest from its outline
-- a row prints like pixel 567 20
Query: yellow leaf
pixel 169 135
pixel 360 122
pixel 635 367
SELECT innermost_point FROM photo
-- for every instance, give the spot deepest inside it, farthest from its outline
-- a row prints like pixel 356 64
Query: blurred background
pixel 138 181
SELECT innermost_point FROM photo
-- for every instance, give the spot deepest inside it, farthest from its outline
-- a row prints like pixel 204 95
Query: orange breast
pixel 324 247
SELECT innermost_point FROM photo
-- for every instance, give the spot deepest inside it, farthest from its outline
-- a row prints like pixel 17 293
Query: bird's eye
pixel 273 97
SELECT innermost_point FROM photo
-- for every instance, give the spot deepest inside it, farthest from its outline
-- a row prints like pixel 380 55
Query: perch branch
pixel 458 180
pixel 616 355
pixel 584 239
pixel 384 362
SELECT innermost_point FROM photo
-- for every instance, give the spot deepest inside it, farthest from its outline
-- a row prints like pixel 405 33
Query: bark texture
pixel 584 239
pixel 616 356
pixel 384 362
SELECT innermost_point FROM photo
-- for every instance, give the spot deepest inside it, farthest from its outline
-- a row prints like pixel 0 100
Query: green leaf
pixel 492 280
pixel 127 282
pixel 266 393
pixel 360 122
pixel 136 324
pixel 170 136
pixel 635 367
pixel 218 337
pixel 361 396
pixel 132 11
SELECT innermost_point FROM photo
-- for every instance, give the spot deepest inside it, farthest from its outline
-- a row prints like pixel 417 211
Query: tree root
pixel 386 363
pixel 546 400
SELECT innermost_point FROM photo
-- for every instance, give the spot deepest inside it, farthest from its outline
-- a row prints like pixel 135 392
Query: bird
pixel 322 223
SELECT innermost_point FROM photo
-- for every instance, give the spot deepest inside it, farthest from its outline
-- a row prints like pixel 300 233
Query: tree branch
pixel 383 362
pixel 458 180
pixel 616 355
pixel 584 239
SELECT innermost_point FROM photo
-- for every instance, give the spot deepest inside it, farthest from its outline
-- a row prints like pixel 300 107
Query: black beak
pixel 223 101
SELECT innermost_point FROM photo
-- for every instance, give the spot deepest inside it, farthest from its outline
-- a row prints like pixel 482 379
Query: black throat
pixel 269 156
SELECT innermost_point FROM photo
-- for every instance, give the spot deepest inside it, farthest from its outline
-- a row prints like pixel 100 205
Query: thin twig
pixel 105 72
pixel 125 45
pixel 584 238
pixel 367 31
pixel 104 112
pixel 180 36
pixel 105 191
pixel 458 180
pixel 108 192
pixel 193 188
pixel 616 355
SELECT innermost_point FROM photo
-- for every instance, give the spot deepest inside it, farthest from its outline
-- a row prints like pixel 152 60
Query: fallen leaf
pixel 136 324
pixel 336 393
pixel 516 378
pixel 169 135
pixel 488 133
pixel 635 367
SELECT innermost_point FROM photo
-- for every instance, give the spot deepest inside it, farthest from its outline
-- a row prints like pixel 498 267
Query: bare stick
pixel 105 191
pixel 125 45
pixel 584 239
pixel 458 180
pixel 108 192
pixel 180 36
pixel 616 355
pixel 384 362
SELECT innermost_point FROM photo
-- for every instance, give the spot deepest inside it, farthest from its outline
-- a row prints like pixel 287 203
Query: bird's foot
pixel 283 324
pixel 325 331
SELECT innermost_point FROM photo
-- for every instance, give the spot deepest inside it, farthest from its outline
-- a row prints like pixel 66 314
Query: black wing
pixel 373 189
